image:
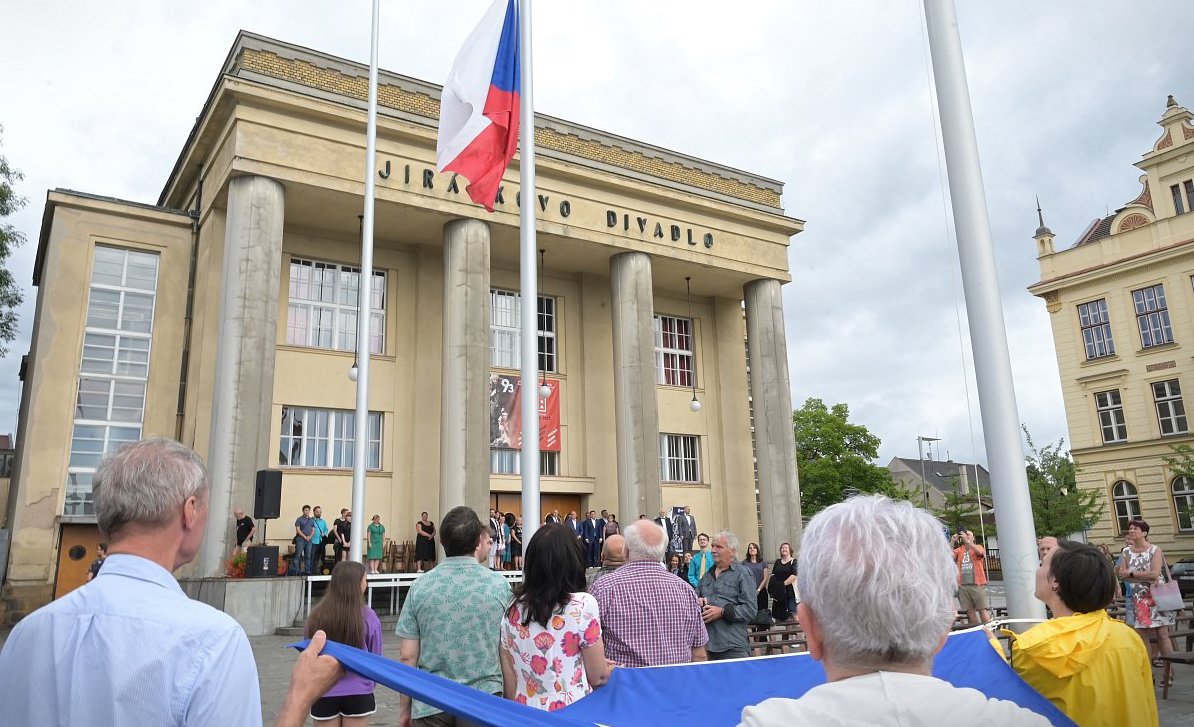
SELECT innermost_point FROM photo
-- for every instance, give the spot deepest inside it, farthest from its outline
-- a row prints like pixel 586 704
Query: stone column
pixel 464 396
pixel 775 448
pixel 243 391
pixel 635 413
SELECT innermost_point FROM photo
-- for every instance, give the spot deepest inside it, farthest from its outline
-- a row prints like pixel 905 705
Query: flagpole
pixel 529 283
pixel 992 364
pixel 364 300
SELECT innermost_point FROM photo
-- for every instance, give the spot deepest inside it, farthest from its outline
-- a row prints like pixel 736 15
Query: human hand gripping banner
pixel 505 413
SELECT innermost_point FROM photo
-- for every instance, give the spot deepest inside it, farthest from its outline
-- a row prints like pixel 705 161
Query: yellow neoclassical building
pixel 224 316
pixel 1121 303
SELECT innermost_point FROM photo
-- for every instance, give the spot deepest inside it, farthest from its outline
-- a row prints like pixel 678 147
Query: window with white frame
pixel 1171 412
pixel 1111 416
pixel 509 462
pixel 323 306
pixel 673 351
pixel 1152 316
pixel 1096 329
pixel 325 438
pixel 114 367
pixel 1176 191
pixel 1183 502
pixel 505 331
pixel 1126 504
pixel 679 458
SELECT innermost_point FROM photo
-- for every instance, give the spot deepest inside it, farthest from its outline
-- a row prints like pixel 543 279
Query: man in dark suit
pixel 688 528
pixel 573 523
pixel 665 522
pixel 592 532
pixel 553 517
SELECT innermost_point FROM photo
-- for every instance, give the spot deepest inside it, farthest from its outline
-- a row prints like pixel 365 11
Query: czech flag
pixel 478 118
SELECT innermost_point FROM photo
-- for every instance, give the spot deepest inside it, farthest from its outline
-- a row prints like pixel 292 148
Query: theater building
pixel 1121 304
pixel 223 315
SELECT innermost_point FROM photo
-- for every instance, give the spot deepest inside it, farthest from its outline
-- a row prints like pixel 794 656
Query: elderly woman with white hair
pixel 877 600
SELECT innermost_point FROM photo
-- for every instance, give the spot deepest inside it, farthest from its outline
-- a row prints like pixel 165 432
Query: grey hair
pixel 146 482
pixel 880 578
pixel 731 539
pixel 637 535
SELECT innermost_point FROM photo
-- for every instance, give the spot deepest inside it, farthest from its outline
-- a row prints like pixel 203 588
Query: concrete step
pixel 295 632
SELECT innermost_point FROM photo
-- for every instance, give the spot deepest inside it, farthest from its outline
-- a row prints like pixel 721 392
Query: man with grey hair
pixel 729 600
pixel 649 617
pixel 129 647
pixel 877 601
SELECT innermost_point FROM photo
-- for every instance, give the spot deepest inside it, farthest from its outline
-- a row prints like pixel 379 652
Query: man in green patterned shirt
pixel 451 618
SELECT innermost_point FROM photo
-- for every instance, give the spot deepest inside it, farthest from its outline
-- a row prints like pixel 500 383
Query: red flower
pixel 571 644
pixel 544 640
pixel 513 616
pixel 557 665
pixel 593 632
pixel 538 664
pixel 521 698
pixel 558 704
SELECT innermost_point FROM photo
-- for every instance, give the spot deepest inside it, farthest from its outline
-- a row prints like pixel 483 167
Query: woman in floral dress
pixel 551 649
pixel 1140 567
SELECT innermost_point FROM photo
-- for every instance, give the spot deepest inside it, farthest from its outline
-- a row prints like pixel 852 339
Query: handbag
pixel 1167 595
pixel 762 618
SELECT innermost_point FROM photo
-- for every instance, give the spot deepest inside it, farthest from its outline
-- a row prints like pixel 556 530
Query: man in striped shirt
pixel 649 617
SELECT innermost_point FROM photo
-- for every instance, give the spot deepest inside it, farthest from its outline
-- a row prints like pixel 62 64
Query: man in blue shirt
pixel 304 530
pixel 319 540
pixel 129 647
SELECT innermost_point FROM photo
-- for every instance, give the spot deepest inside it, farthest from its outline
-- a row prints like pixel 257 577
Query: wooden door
pixel 512 502
pixel 77 547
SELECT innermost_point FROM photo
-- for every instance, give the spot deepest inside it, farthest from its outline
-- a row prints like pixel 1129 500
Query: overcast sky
pixel 831 98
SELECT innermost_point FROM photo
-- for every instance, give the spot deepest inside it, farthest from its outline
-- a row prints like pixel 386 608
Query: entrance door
pixel 512 502
pixel 76 549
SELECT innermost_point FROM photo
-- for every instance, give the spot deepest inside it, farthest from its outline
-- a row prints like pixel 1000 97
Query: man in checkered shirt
pixel 649 617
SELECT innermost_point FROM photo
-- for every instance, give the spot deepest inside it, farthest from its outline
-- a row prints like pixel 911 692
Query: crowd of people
pixel 874 595
pixel 313 535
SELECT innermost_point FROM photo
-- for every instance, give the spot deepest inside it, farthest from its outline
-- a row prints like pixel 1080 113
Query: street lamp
pixel 924 484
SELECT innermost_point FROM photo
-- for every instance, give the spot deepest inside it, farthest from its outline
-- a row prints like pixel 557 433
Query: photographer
pixel 971 559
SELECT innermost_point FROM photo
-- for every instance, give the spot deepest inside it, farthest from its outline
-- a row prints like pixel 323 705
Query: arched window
pixel 1126 504
pixel 1183 502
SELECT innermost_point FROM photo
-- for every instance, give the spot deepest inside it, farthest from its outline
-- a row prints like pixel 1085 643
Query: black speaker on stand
pixel 262 560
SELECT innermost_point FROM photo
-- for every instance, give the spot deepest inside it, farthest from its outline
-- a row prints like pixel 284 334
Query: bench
pixel 780 638
pixel 1178 657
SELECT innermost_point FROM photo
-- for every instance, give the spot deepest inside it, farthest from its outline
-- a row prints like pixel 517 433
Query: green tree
pixel 834 456
pixel 1059 506
pixel 10 239
pixel 958 508
pixel 1182 464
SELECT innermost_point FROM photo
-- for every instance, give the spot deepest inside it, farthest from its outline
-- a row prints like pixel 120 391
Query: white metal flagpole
pixel 364 291
pixel 529 283
pixel 992 364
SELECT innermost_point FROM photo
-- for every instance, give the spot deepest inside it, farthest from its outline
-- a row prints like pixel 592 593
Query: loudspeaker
pixel 262 562
pixel 267 502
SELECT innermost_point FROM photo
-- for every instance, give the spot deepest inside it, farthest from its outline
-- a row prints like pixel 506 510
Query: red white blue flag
pixel 478 118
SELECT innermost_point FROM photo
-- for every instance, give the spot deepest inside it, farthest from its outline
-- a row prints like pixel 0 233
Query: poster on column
pixel 505 413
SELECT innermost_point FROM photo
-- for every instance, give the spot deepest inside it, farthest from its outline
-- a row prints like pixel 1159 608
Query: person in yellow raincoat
pixel 1093 668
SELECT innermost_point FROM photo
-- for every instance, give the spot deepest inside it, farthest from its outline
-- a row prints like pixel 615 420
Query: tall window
pixel 1183 502
pixel 1111 416
pixel 509 462
pixel 325 438
pixel 110 403
pixel 1096 329
pixel 505 331
pixel 323 306
pixel 1126 504
pixel 1176 191
pixel 679 458
pixel 1152 316
pixel 1171 412
pixel 673 351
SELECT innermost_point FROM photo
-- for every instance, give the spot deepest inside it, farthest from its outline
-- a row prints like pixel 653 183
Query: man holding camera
pixel 971 558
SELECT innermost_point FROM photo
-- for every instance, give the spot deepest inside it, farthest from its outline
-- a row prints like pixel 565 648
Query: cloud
pixel 832 99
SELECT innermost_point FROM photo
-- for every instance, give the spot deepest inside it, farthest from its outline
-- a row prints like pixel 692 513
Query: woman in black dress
pixel 782 585
pixel 424 544
pixel 516 544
